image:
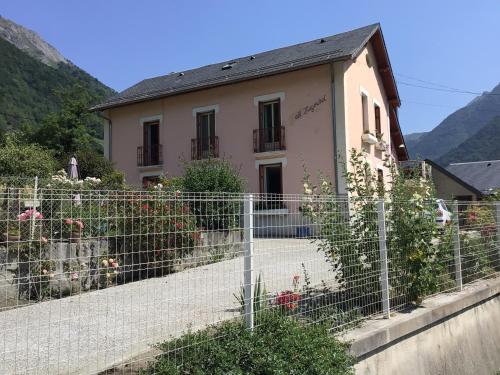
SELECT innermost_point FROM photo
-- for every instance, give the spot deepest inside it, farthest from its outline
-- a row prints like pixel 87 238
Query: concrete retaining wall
pixel 453 334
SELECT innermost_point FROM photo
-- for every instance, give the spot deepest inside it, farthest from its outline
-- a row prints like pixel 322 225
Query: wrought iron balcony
pixel 204 148
pixel 269 139
pixel 151 155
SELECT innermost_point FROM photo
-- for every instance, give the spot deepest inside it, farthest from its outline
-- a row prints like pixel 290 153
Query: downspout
pixel 334 126
pixel 109 143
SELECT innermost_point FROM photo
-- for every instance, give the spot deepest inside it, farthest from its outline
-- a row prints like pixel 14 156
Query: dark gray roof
pixel 483 175
pixel 333 48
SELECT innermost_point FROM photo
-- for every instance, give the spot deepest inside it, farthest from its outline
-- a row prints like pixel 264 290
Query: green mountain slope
pixel 484 145
pixel 31 72
pixel 458 126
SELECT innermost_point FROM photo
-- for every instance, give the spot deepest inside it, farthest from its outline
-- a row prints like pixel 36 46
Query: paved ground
pixel 88 333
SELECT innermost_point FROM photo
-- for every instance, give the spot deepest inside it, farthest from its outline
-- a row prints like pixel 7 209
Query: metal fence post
pixel 384 270
pixel 34 207
pixel 248 261
pixel 456 247
pixel 497 209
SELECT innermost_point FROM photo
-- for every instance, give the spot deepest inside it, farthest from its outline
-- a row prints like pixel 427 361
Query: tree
pixel 67 130
pixel 25 160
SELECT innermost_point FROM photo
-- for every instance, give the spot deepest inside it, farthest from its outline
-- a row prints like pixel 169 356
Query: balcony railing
pixel 151 155
pixel 269 139
pixel 204 148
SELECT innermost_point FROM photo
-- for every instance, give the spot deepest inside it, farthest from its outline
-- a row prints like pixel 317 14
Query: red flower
pixel 288 299
pixel 145 206
pixel 179 225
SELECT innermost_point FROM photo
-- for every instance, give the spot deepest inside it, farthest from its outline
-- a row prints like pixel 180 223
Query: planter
pixel 12 237
pixel 381 146
pixel 369 138
pixel 75 236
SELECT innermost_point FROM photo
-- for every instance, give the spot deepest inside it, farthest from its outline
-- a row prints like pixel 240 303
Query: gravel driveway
pixel 90 332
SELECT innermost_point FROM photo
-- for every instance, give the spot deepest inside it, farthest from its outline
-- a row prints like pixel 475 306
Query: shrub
pixel 25 160
pixel 278 345
pixel 213 175
pixel 90 163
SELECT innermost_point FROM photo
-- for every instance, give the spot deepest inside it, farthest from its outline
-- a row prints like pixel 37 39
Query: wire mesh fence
pixel 90 279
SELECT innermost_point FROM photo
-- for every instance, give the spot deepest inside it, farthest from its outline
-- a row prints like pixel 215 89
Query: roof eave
pixel 160 95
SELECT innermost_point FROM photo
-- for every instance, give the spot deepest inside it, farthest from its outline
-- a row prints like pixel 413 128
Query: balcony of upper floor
pixel 269 139
pixel 204 148
pixel 149 155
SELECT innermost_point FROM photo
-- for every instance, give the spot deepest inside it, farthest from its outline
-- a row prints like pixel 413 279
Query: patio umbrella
pixel 73 174
pixel 73 168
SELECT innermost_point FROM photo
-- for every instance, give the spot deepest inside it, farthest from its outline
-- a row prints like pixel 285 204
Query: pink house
pixel 268 113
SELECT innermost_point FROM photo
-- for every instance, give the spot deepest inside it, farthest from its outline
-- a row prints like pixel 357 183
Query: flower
pixel 114 265
pixel 288 299
pixel 74 276
pixel 179 225
pixel 69 221
pixel 111 260
pixel 51 275
pixel 44 239
pixel 105 263
pixel 44 271
pixel 177 193
pixel 296 278
pixel 79 223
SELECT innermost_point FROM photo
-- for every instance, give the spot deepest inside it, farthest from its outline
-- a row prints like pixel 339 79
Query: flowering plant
pixel 76 225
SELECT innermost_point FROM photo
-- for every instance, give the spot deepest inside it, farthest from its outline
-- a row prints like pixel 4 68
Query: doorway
pixel 271 179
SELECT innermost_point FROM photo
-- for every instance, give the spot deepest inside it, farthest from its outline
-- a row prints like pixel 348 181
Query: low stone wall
pixel 84 257
pixel 453 334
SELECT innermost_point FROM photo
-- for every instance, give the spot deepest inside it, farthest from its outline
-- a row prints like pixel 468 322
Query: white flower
pixel 308 191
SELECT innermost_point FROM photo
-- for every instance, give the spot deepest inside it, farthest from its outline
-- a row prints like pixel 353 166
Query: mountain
pixel 412 139
pixel 458 126
pixel 484 145
pixel 31 73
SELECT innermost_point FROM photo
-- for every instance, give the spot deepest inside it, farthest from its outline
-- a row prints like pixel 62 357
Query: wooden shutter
pixel 261 179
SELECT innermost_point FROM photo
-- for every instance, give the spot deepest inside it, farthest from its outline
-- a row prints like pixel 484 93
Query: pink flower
pixel 44 239
pixel 22 217
pixel 74 276
pixel 114 265
pixel 38 215
pixel 79 223
pixel 69 221
pixel 296 278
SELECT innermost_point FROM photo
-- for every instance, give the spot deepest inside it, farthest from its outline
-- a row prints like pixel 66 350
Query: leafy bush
pixel 213 175
pixel 278 345
pixel 25 160
pixel 91 163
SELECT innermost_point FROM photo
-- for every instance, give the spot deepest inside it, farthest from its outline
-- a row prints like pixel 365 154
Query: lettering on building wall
pixel 310 108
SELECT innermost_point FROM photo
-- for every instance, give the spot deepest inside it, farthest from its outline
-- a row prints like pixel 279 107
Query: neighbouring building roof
pixel 337 47
pixel 454 177
pixel 483 175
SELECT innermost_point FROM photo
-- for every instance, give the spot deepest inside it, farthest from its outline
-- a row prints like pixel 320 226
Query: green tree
pixel 26 160
pixel 67 130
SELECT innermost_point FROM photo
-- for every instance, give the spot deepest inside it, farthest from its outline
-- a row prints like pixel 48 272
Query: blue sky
pixel 451 43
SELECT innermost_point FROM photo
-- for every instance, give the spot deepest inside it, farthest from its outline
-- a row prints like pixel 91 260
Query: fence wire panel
pixel 92 280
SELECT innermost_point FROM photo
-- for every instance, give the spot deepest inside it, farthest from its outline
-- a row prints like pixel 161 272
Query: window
pixel 151 149
pixel 380 181
pixel 270 121
pixel 271 179
pixel 150 180
pixel 205 134
pixel 378 127
pixel 364 108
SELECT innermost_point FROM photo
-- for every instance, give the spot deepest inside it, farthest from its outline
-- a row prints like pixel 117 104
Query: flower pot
pixel 12 237
pixel 75 236
pixel 381 146
pixel 369 138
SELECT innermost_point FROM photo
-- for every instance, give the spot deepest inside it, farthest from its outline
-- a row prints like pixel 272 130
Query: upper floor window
pixel 150 152
pixel 270 114
pixel 364 109
pixel 378 127
pixel 205 145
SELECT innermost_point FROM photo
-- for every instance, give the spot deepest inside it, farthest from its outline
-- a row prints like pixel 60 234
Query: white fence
pixel 91 279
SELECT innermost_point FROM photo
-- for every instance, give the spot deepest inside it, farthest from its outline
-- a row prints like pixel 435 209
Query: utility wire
pixel 444 88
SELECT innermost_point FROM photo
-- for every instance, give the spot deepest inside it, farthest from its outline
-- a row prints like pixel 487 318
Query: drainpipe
pixel 107 136
pixel 334 126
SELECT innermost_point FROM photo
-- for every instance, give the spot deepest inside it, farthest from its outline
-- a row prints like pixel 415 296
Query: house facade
pixel 268 114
